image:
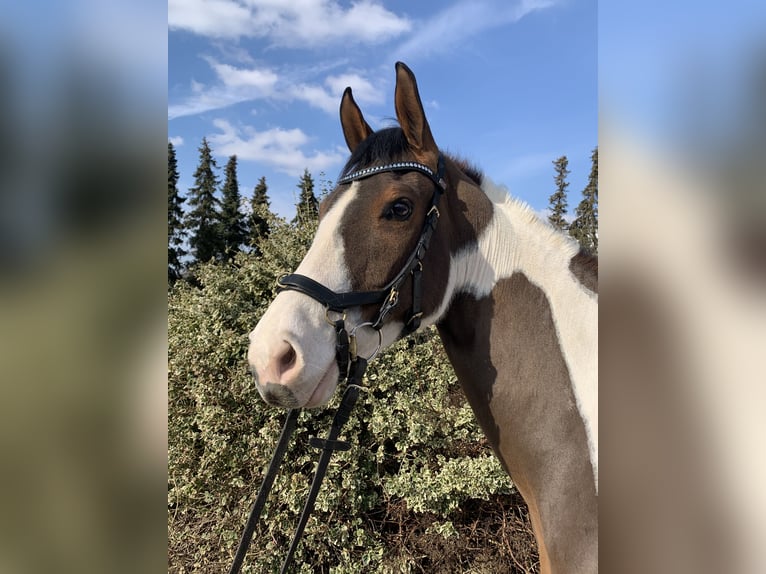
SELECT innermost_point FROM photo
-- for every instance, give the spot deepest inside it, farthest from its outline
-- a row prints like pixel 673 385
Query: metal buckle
pixel 327 312
pixel 433 208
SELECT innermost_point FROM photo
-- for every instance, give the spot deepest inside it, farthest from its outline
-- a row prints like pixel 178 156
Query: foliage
pixel 420 481
pixel 232 222
pixel 203 219
pixel 175 216
pixel 585 226
pixel 558 201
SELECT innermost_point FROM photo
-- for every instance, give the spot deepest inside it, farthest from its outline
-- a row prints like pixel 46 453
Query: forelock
pixel 383 146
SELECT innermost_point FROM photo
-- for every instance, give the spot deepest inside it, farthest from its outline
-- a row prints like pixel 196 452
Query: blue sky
pixel 510 85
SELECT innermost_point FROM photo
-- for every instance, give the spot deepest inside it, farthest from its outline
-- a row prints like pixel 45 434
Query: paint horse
pixel 514 301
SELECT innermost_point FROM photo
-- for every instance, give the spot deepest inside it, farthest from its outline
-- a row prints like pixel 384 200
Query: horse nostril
pixel 287 357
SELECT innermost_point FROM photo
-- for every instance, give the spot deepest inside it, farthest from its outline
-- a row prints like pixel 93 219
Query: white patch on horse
pixel 325 261
pixel 300 320
pixel 516 240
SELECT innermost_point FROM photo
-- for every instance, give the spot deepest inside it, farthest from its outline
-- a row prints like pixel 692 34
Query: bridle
pixel 388 296
pixel 351 366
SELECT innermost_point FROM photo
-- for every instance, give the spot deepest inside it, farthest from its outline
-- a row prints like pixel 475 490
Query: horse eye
pixel 401 209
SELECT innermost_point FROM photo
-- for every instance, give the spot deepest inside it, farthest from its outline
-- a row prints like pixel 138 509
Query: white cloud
pixel 282 149
pixel 176 141
pixel 462 20
pixel 236 85
pixel 315 96
pixel 364 91
pixel 205 101
pixel 327 97
pixel 261 80
pixel 214 18
pixel 296 24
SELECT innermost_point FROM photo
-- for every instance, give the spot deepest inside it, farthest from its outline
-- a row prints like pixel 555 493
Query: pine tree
pixel 175 216
pixel 585 226
pixel 259 220
pixel 308 206
pixel 203 220
pixel 558 201
pixel 233 231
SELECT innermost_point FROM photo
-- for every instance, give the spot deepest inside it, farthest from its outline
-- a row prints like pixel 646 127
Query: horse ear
pixel 355 129
pixel 412 118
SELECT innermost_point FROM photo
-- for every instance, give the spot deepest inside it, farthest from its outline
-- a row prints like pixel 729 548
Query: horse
pixel 412 237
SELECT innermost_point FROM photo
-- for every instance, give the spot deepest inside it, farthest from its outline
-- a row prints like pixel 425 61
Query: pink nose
pixel 272 378
pixel 280 365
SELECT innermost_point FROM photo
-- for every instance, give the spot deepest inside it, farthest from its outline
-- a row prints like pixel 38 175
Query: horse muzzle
pixel 292 371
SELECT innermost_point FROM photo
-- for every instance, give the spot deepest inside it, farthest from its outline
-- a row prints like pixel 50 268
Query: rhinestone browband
pixel 399 166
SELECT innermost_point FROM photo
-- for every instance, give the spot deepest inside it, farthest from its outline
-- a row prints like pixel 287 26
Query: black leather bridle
pixel 388 296
pixel 350 365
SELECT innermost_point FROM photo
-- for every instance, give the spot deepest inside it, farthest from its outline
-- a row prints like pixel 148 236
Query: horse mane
pixel 389 145
pixel 468 168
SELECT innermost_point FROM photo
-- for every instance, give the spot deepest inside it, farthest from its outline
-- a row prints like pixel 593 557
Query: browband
pixel 397 166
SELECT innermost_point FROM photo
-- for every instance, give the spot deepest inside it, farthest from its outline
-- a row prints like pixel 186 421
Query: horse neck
pixel 521 333
pixel 518 312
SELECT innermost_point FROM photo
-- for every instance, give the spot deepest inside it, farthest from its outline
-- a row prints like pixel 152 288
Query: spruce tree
pixel 585 226
pixel 558 201
pixel 232 222
pixel 175 217
pixel 259 220
pixel 203 219
pixel 308 206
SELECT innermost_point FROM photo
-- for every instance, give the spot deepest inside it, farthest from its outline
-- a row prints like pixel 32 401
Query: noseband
pixel 388 296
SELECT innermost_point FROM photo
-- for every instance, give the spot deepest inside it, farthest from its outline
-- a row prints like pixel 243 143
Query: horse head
pixel 377 245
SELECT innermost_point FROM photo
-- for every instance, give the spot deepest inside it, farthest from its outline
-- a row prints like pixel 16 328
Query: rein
pixel 328 446
pixel 351 366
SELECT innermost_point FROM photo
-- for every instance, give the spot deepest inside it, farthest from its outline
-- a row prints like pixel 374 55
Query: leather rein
pixel 351 366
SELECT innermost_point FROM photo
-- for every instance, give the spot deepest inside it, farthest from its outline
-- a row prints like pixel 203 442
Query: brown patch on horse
pixel 377 247
pixel 468 211
pixel 468 168
pixel 506 353
pixel 584 267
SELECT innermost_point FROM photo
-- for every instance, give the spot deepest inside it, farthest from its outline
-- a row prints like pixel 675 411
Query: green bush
pixel 392 503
